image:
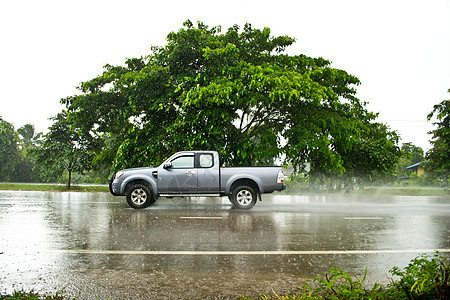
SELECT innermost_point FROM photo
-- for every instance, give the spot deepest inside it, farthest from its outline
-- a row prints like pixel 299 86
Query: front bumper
pixel 112 188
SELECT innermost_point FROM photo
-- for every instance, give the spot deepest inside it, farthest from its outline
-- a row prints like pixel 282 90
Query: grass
pixel 393 191
pixel 52 187
pixel 404 191
pixel 32 295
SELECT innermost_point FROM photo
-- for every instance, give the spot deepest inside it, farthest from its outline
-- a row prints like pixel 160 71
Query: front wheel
pixel 243 197
pixel 139 196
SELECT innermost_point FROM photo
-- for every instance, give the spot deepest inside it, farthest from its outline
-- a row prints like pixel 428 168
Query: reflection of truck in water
pixel 196 173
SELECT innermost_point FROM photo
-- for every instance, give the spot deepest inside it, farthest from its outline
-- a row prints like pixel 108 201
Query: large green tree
pixel 237 93
pixel 439 155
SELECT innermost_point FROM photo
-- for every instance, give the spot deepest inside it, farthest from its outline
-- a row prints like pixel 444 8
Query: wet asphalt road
pixel 92 245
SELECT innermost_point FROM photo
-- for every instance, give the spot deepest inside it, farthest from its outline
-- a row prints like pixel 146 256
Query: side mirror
pixel 167 165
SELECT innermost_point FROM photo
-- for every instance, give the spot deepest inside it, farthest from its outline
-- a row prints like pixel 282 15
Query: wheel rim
pixel 138 196
pixel 244 197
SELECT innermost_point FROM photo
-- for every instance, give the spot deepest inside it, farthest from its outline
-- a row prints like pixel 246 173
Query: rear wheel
pixel 139 196
pixel 243 197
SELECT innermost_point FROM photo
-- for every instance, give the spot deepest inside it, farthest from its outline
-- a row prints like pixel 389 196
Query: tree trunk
pixel 70 178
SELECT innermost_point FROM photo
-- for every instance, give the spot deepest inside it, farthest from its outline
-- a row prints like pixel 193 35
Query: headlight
pixel 118 174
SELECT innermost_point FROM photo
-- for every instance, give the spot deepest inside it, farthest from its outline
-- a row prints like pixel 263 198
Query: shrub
pixel 424 278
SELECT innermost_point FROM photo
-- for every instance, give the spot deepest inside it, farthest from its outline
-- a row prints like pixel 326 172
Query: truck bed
pixel 267 181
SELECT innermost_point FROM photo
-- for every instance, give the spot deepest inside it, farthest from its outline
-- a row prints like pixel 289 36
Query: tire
pixel 139 196
pixel 243 197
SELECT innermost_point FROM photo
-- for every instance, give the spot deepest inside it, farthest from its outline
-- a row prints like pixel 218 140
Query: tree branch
pixel 261 122
pixel 255 117
pixel 65 164
pixel 244 112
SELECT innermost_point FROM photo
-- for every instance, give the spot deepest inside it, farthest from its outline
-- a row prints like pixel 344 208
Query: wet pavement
pixel 93 246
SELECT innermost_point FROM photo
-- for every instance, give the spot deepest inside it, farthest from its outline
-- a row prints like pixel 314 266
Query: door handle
pixel 189 173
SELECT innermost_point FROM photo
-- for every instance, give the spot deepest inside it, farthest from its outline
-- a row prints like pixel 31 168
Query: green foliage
pixel 17 160
pixel 9 150
pixel 439 155
pixel 32 295
pixel 340 285
pixel 30 138
pixel 424 278
pixel 413 153
pixel 236 93
pixel 65 149
pixel 27 168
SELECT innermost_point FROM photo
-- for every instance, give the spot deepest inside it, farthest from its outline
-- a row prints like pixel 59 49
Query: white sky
pixel 399 49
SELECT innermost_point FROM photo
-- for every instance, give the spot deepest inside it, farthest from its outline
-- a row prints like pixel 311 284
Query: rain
pixel 92 245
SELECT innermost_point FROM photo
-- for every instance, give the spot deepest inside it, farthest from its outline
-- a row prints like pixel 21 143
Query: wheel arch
pixel 242 182
pixel 142 181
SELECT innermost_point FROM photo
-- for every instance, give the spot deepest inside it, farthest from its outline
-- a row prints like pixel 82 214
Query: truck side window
pixel 206 160
pixel 183 162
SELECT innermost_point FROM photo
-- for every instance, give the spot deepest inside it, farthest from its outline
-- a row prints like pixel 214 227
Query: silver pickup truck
pixel 196 173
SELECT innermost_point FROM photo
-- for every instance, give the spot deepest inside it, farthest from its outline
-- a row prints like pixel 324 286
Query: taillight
pixel 280 177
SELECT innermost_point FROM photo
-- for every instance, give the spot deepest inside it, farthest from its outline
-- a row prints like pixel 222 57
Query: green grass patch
pixel 52 187
pixel 387 191
pixel 404 191
pixel 32 295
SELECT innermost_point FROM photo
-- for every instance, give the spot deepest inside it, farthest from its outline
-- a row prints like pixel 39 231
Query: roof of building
pixel 415 165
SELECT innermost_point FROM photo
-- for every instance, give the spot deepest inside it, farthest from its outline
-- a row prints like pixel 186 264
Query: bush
pixel 424 278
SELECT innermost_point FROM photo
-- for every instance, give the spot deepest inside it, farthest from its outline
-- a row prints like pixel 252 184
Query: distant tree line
pixel 27 156
pixel 237 93
pixel 17 158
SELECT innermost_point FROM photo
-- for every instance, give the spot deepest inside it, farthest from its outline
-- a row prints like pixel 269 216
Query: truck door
pixel 208 173
pixel 179 175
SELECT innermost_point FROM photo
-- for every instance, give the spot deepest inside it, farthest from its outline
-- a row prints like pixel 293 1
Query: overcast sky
pixel 399 49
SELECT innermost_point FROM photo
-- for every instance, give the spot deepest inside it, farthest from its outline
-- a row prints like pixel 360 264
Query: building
pixel 417 168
